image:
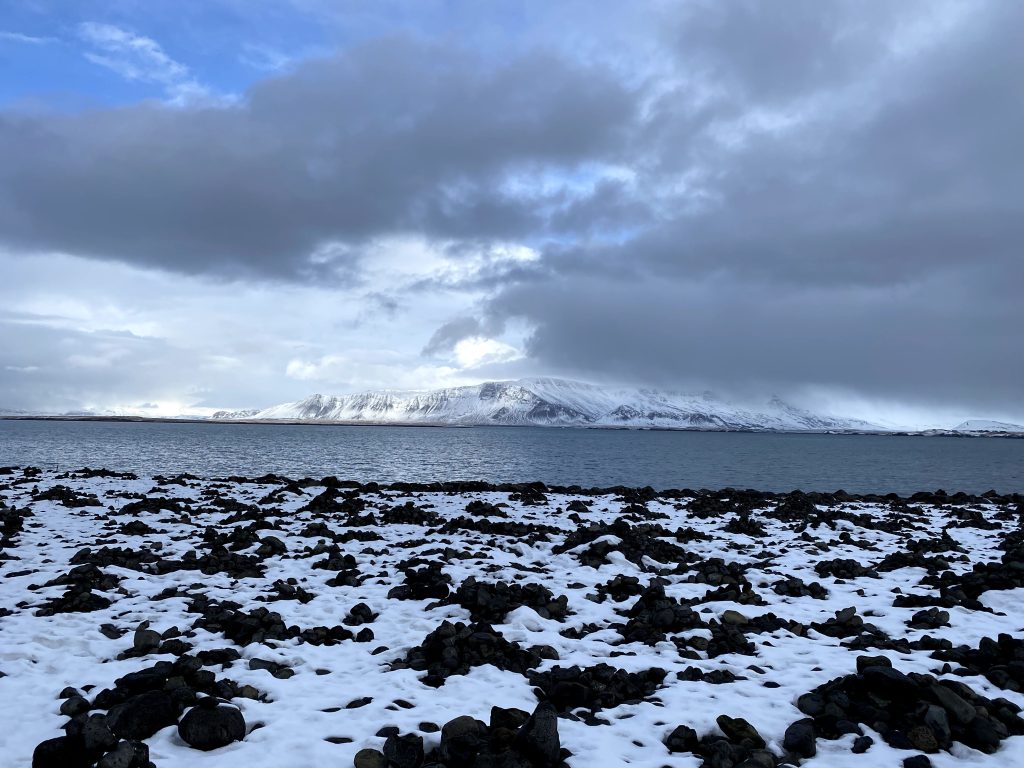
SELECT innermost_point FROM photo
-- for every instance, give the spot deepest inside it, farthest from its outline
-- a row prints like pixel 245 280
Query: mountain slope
pixel 985 425
pixel 549 402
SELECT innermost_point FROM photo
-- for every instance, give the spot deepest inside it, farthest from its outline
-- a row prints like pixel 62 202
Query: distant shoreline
pixel 328 423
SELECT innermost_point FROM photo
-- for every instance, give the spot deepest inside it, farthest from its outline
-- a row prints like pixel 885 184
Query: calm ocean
pixel 775 462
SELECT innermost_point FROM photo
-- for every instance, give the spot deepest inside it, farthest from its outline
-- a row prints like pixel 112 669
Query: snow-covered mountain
pixel 550 402
pixel 985 425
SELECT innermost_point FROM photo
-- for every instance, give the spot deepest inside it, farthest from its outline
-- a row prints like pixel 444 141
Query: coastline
pixel 330 423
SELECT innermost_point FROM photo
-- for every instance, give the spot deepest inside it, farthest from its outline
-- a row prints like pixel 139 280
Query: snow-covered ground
pixel 340 695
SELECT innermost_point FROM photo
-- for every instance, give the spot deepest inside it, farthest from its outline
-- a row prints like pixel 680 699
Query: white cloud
pixel 138 58
pixel 477 351
pixel 264 58
pixel 18 37
pixel 147 336
pixel 133 57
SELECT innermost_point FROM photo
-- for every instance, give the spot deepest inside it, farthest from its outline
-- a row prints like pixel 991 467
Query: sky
pixel 234 203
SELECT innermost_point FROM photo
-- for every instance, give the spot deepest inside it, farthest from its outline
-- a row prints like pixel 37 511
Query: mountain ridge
pixel 550 402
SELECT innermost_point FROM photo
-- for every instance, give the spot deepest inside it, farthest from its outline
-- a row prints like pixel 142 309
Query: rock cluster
pixel 429 582
pixel 594 688
pixel 453 649
pixel 654 615
pixel 491 602
pixel 635 543
pixel 259 624
pixel 109 731
pixel 910 711
pixel 512 739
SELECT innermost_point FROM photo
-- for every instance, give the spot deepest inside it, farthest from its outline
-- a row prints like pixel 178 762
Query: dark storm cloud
pixel 393 136
pixel 873 242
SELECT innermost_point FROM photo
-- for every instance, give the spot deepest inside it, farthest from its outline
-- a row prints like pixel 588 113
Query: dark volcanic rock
pixel 635 543
pixel 594 688
pixel 428 582
pixel 490 603
pixel 654 615
pixel 513 739
pixel 538 738
pixel 404 751
pixel 210 725
pixel 453 649
pixel 143 715
pixel 910 711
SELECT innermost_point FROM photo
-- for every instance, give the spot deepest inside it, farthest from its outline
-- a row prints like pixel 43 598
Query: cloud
pixel 869 244
pixel 390 138
pixel 18 37
pixel 820 199
pixel 264 58
pixel 138 58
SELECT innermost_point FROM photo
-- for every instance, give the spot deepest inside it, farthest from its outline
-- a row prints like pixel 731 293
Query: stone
pixel 917 761
pixel 811 704
pixel 127 754
pixel 735 618
pixel 94 733
pixel 74 705
pixel 538 738
pixel 962 711
pixel 404 751
pixel 862 744
pixel 210 725
pixel 800 738
pixel 510 718
pixel 865 662
pixel 740 731
pixel 922 738
pixel 890 684
pixel 142 715
pixel 145 639
pixel 937 721
pixel 370 758
pixel 61 752
pixel 682 739
pixel 462 739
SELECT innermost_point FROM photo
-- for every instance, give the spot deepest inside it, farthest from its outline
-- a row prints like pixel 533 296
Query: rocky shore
pixel 272 621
